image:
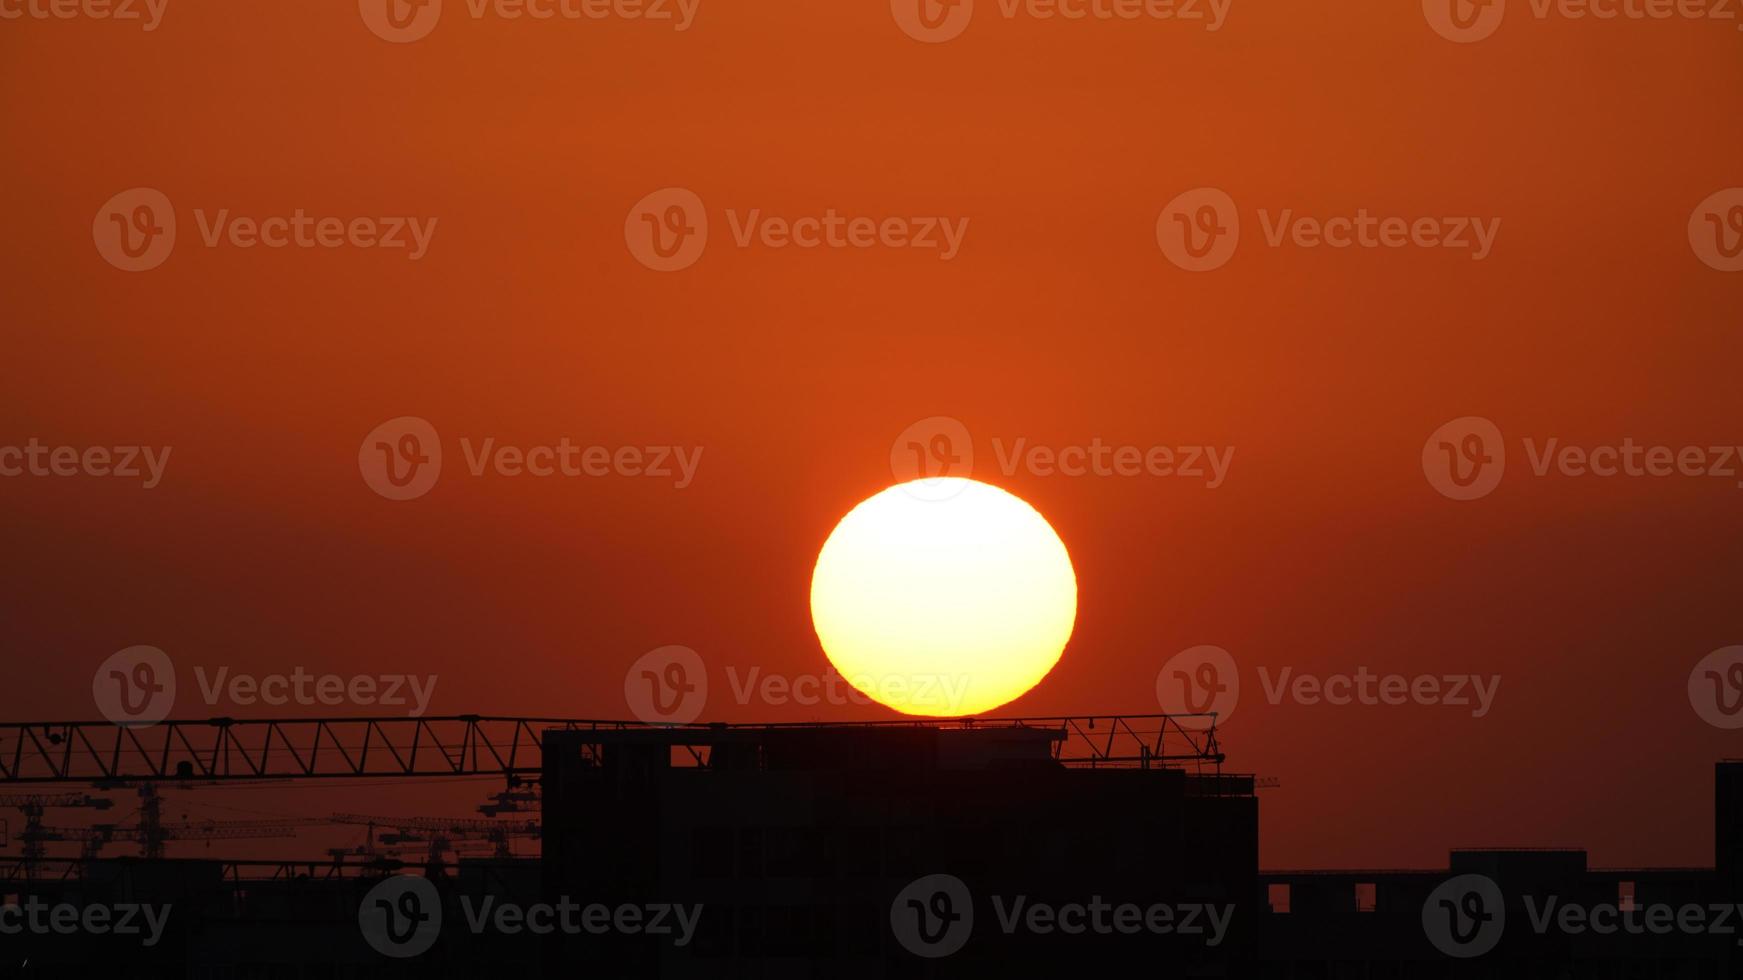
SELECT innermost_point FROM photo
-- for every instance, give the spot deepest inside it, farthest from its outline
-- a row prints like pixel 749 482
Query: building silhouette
pixel 796 839
pixel 1027 848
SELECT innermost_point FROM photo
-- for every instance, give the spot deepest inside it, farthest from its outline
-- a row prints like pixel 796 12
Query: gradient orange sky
pixel 1061 321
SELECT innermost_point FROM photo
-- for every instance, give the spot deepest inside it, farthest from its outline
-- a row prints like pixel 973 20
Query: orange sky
pixel 1059 321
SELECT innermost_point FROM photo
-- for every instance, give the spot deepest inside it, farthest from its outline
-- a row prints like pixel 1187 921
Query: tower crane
pixel 32 806
pixel 442 833
pixel 521 796
pixel 94 838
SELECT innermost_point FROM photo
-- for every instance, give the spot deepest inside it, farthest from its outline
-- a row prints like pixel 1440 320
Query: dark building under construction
pixel 1037 847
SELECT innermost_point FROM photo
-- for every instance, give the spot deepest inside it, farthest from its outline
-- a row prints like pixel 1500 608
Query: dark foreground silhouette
pixel 1029 848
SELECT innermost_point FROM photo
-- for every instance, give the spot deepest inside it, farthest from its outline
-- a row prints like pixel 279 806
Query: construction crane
pixel 230 749
pixel 94 838
pixel 226 751
pixel 391 850
pixel 442 834
pixel 33 805
pixel 520 797
pixel 148 831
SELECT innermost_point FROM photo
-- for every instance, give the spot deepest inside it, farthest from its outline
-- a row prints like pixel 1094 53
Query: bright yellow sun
pixel 943 597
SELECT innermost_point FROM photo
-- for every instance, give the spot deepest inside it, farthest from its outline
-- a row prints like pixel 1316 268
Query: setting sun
pixel 943 597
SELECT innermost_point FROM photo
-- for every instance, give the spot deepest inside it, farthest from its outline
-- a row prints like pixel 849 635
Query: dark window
pixel 1366 894
pixel 1278 896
